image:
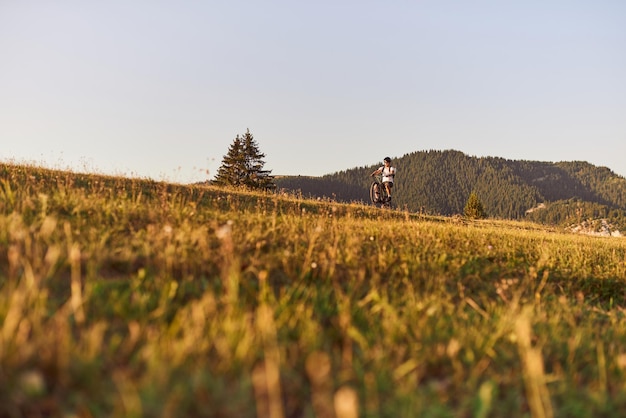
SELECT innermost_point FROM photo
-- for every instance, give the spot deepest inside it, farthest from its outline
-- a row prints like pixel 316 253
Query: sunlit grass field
pixel 135 298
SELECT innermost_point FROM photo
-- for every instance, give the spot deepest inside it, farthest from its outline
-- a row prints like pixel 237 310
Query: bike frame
pixel 378 192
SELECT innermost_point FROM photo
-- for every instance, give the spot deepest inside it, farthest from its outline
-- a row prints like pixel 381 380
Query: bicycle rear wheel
pixel 385 201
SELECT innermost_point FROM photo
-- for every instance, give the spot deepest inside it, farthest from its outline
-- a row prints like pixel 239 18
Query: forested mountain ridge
pixel 439 182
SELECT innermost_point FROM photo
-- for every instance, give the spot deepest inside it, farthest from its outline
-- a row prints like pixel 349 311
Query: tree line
pixel 441 182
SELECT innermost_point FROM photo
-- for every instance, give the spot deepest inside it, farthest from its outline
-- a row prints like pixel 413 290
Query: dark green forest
pixel 440 182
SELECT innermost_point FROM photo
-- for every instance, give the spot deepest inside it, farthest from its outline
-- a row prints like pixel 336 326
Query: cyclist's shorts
pixel 388 183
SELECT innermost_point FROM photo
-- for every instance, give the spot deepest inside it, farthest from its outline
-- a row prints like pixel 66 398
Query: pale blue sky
pixel 160 89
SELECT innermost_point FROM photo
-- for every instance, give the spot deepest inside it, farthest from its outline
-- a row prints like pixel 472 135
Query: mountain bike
pixel 378 193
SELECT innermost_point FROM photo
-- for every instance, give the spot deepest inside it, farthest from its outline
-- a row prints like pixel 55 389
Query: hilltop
pixel 439 182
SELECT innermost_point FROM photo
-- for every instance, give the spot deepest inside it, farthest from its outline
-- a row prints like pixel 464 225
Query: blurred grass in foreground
pixel 126 297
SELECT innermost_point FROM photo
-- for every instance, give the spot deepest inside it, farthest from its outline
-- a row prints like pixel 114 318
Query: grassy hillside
pixel 123 297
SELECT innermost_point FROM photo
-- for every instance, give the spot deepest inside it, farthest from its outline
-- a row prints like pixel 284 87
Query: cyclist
pixel 388 173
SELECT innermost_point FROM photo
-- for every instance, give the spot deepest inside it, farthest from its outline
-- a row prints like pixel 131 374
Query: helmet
pixel 387 160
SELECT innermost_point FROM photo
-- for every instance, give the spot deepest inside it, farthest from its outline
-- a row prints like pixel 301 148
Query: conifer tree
pixel 232 170
pixel 474 207
pixel 243 165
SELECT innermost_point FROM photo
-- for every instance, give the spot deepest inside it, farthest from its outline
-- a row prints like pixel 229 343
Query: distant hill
pixel 439 182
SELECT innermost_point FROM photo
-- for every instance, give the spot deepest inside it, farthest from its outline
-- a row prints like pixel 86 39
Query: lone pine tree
pixel 474 207
pixel 243 165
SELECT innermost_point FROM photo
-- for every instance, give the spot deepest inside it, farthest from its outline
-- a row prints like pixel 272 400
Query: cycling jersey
pixel 388 174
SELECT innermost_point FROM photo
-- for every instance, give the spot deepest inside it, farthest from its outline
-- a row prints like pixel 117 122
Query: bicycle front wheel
pixel 375 192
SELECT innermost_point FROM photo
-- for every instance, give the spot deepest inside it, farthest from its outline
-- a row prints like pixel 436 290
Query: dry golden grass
pixel 126 297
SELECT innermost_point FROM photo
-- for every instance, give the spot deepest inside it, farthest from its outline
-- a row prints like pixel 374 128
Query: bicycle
pixel 378 193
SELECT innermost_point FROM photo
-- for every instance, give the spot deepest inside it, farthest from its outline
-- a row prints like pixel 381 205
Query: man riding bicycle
pixel 388 173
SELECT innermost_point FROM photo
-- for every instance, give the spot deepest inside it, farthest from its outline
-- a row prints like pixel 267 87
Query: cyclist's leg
pixel 388 187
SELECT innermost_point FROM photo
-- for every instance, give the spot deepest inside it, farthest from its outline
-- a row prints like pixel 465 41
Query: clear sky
pixel 160 89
